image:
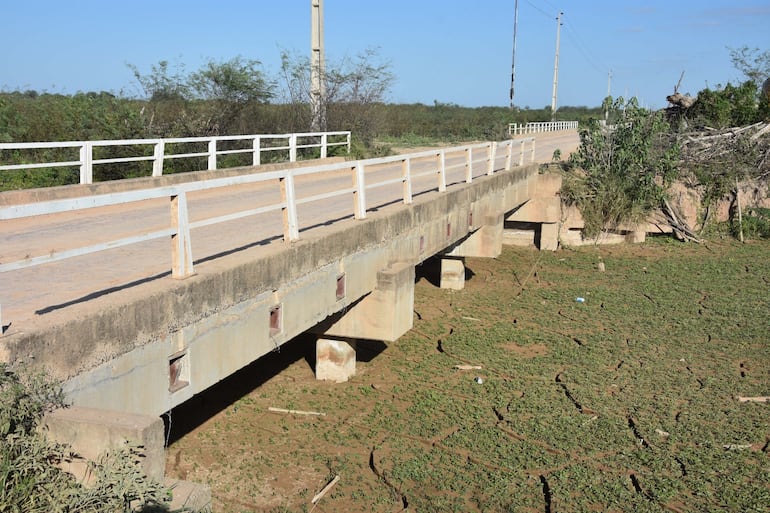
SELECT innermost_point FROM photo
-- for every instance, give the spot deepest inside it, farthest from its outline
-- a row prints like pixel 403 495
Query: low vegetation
pixel 629 401
pixel 31 478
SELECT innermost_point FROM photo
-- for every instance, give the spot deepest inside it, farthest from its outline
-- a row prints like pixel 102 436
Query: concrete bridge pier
pixel 543 210
pixel 485 242
pixel 384 314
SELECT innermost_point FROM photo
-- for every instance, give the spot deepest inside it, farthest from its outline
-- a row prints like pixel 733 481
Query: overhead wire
pixel 576 39
pixel 539 9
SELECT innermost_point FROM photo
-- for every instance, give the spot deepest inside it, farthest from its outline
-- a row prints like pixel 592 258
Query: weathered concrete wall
pixel 152 352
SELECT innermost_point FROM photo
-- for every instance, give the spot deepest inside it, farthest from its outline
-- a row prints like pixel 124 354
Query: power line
pixel 539 9
pixel 581 48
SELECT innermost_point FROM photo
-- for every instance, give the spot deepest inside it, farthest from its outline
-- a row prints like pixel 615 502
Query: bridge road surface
pixel 67 289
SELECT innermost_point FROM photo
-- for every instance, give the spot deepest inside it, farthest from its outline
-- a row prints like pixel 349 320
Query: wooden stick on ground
pixel 760 399
pixel 326 488
pixel 296 412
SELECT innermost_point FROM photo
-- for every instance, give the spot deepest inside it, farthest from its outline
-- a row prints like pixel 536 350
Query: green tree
pixel 226 88
pixel 752 62
pixel 355 87
pixel 621 172
pixel 726 106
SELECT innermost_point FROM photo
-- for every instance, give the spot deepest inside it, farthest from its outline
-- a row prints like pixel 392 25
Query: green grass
pixel 627 402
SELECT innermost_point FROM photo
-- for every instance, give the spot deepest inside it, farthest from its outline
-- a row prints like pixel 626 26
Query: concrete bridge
pixel 275 252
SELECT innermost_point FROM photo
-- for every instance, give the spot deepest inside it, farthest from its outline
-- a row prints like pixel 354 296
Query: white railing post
pixel 181 248
pixel 509 157
pixel 86 163
pixel 406 173
pixel 212 154
pixel 348 138
pixel 441 172
pixel 359 194
pixel 157 157
pixel 293 148
pixel 289 210
pixel 491 156
pixel 521 153
pixel 468 165
pixel 256 157
pixel 324 141
pixel 532 158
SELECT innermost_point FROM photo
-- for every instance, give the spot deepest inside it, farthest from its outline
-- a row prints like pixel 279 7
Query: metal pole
pixel 317 67
pixel 513 58
pixel 556 67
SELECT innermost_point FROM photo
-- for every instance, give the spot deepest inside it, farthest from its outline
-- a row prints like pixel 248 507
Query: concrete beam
pixel 386 313
pixel 486 242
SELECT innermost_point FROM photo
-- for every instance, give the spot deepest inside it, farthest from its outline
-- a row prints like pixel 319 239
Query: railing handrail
pixel 160 154
pixel 116 198
pixel 179 231
pixel 541 126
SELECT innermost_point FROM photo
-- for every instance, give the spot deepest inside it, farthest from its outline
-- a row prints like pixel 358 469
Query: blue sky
pixel 450 51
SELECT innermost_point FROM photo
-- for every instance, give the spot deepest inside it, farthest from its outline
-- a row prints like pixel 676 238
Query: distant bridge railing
pixel 544 126
pixel 472 156
pixel 159 151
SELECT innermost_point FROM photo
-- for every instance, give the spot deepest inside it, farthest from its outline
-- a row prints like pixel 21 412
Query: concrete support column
pixel 549 236
pixel 453 273
pixel 335 359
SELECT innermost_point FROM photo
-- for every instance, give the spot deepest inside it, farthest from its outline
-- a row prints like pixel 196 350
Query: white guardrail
pixel 537 127
pixel 162 150
pixel 179 231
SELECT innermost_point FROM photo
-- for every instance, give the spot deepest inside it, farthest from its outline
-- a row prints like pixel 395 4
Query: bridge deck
pixel 51 294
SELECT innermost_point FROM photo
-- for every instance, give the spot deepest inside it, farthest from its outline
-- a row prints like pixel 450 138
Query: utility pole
pixel 607 107
pixel 317 67
pixel 513 59
pixel 556 67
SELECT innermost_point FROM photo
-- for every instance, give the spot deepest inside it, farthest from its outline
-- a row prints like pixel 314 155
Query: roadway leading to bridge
pixel 53 293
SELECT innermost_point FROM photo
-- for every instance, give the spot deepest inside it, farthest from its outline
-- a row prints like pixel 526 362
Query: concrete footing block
pixel 91 432
pixel 549 236
pixel 335 359
pixel 453 273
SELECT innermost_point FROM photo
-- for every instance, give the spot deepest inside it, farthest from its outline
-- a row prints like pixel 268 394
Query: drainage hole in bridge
pixel 178 371
pixel 276 323
pixel 340 292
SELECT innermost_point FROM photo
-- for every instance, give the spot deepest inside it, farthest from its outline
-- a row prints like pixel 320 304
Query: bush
pixel 756 224
pixel 620 173
pixel 31 479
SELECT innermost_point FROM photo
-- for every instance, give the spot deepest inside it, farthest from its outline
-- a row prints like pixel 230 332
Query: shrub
pixel 31 479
